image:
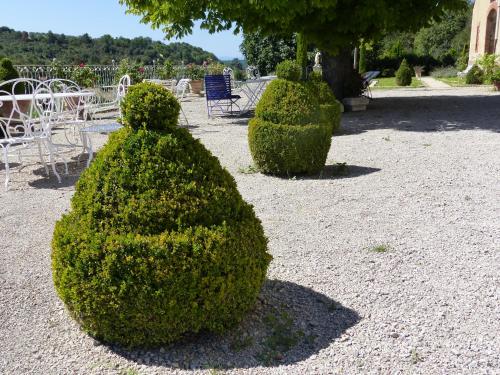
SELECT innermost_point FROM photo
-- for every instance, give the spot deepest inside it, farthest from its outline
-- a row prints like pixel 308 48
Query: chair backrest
pixel 181 88
pixel 123 85
pixel 68 105
pixel 218 87
pixel 17 108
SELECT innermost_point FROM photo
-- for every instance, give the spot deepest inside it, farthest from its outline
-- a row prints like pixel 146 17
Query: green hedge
pixel 286 150
pixel 158 242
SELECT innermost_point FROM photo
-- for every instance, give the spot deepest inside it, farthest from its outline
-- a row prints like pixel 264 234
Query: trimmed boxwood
pixel 289 70
pixel 292 129
pixel 149 105
pixel 404 74
pixel 158 242
pixel 284 149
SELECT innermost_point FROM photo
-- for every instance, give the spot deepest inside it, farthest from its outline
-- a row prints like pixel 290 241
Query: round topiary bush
pixel 289 70
pixel 291 133
pixel 149 105
pixel 158 242
pixel 404 74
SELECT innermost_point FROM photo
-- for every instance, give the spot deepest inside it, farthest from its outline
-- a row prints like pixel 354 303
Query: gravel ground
pixel 387 265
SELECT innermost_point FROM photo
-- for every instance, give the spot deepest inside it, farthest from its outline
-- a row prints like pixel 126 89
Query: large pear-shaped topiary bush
pixel 292 128
pixel 158 242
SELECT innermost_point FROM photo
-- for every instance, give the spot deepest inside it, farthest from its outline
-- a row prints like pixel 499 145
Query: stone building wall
pixel 485 29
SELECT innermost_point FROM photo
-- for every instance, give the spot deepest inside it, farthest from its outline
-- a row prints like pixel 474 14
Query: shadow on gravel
pixel 67 180
pixel 340 171
pixel 289 324
pixel 426 114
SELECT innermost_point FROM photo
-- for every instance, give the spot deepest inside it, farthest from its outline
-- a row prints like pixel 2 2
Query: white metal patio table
pixel 252 90
pixel 57 96
pixel 96 129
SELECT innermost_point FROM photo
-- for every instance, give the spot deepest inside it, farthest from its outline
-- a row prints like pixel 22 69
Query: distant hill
pixel 41 48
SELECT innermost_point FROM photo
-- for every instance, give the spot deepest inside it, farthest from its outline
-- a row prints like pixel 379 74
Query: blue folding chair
pixel 219 95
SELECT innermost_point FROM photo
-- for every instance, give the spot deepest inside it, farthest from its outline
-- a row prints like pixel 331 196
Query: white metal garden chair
pixel 71 110
pixel 96 110
pixel 180 92
pixel 26 121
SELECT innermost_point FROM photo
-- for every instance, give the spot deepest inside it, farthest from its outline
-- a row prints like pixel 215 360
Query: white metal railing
pixel 106 74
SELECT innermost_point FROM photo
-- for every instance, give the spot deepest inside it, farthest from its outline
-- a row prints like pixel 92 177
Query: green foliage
pixel 287 102
pixel 195 72
pixel 404 74
pixel 83 76
pixel 488 64
pixel 288 150
pixel 289 70
pixel 158 242
pixel 8 72
pixel 329 24
pixel 463 59
pixel 495 76
pixel 474 76
pixel 167 71
pixel 444 40
pixel 215 68
pixel 41 48
pixel 302 54
pixel 291 133
pixel 265 52
pixel 362 58
pixel 135 71
pixel 148 105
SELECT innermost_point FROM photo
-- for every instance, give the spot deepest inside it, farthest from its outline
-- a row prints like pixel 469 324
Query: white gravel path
pixel 424 181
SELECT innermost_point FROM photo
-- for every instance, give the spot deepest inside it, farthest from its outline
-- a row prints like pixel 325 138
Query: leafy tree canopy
pixel 329 24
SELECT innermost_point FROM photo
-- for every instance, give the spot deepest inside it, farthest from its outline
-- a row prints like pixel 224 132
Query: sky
pixel 99 17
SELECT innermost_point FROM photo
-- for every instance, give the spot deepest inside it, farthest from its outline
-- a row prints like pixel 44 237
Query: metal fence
pixel 106 74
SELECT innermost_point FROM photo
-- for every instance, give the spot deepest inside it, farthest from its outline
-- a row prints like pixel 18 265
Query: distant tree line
pixel 41 48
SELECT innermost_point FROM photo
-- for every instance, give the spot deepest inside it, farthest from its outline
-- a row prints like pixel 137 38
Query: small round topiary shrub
pixel 289 70
pixel 286 150
pixel 149 105
pixel 404 74
pixel 158 242
pixel 292 130
pixel 475 76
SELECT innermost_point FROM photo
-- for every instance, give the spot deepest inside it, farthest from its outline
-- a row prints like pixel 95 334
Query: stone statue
pixel 317 59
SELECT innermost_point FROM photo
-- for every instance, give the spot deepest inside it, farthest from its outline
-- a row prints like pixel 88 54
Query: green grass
pixel 457 81
pixel 390 83
pixel 453 81
pixel 380 249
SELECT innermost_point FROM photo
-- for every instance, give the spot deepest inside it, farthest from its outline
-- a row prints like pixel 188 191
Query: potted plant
pixel 83 76
pixel 196 74
pixel 353 90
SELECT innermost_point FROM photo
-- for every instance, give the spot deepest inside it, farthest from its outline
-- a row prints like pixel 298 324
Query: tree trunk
pixel 337 69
